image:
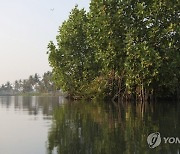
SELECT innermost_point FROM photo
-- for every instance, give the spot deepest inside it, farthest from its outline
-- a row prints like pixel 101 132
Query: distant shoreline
pixel 35 94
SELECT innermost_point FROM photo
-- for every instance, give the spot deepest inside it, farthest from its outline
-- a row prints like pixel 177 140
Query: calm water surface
pixel 40 125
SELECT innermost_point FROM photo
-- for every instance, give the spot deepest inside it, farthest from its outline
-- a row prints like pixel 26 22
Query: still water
pixel 40 125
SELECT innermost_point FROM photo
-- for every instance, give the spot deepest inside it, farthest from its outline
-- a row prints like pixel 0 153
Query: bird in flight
pixel 52 9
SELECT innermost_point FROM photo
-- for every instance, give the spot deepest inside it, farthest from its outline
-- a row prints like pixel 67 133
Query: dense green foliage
pixel 34 84
pixel 126 49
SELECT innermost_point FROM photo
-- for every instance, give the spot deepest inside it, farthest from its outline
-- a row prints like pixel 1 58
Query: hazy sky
pixel 26 27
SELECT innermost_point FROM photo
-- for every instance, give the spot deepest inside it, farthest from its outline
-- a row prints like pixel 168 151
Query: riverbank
pixel 35 94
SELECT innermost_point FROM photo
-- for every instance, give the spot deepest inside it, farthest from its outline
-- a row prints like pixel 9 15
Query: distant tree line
pixel 119 49
pixel 34 84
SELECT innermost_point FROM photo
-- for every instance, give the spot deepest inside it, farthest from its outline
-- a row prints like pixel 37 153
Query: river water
pixel 40 125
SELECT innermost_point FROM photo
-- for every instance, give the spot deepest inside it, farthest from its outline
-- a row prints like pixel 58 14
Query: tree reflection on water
pixel 95 128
